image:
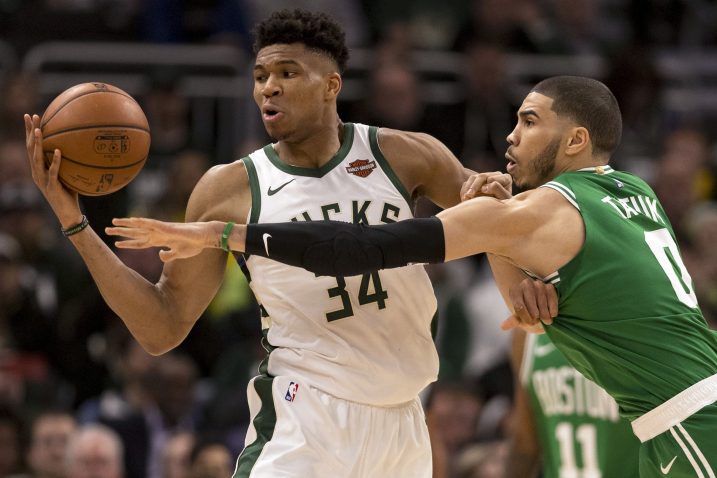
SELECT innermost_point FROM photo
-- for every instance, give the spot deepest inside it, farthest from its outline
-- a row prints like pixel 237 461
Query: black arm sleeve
pixel 342 249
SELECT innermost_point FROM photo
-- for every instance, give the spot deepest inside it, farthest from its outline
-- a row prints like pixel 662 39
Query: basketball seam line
pixel 93 126
pixel 42 125
pixel 92 166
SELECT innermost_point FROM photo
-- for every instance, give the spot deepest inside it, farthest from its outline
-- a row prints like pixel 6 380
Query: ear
pixel 333 85
pixel 578 140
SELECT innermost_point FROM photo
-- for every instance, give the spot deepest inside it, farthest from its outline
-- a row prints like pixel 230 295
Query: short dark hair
pixel 588 103
pixel 315 30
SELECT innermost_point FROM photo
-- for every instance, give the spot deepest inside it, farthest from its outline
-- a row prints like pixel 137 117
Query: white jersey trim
pixel 676 410
pixel 562 189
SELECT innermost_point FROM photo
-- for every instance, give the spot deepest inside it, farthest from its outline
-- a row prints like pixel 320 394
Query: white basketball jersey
pixel 364 338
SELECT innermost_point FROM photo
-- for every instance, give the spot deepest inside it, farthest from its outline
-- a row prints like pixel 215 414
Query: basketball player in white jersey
pixel 347 356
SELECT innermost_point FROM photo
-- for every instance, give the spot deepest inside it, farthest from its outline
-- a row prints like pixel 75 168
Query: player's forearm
pixel 140 304
pixel 343 249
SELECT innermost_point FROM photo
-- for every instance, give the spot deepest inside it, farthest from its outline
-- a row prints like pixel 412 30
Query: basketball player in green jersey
pixel 564 424
pixel 348 356
pixel 628 318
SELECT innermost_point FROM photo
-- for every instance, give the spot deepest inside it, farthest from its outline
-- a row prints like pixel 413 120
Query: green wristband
pixel 76 228
pixel 225 235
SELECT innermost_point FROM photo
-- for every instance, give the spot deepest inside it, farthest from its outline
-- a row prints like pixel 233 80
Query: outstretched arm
pixel 530 229
pixel 158 315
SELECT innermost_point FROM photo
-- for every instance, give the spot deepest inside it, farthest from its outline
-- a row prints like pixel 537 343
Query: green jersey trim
pixel 254 188
pixel 346 145
pixel 264 423
pixel 386 166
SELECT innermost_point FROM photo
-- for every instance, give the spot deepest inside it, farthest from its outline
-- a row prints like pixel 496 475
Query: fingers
pixel 495 184
pixel 167 256
pixel 525 304
pixel 497 190
pixel 132 233
pixel 510 323
pixel 132 244
pixel 534 302
pixel 54 170
pixel 473 185
pixel 137 222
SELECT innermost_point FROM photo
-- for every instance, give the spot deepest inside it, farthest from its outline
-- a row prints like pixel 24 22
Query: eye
pixel 529 122
pixel 260 78
pixel 289 74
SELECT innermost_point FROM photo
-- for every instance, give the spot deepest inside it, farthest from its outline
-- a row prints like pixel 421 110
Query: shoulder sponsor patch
pixel 361 167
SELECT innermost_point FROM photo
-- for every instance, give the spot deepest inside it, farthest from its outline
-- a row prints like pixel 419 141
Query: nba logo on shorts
pixel 291 392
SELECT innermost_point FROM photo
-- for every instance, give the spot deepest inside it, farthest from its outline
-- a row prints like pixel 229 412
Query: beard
pixel 542 166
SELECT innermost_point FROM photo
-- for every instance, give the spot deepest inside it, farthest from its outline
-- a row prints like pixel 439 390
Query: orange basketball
pixel 103 135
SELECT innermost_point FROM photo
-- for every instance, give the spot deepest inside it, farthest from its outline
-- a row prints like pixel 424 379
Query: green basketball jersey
pixel 578 425
pixel 628 316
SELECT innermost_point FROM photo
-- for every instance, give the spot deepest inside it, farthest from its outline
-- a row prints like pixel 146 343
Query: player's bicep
pixel 425 166
pixel 444 174
pixel 222 194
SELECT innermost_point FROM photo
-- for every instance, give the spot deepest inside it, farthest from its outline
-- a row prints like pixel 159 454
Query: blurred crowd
pixel 79 397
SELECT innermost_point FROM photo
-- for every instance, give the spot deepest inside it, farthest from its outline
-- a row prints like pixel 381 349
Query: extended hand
pixel 534 303
pixel 496 184
pixel 180 240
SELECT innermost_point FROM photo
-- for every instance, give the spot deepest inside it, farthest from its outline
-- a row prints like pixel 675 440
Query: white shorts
pixel 298 431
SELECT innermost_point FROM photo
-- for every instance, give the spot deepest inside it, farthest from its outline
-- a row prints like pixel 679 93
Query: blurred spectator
pixel 453 410
pixel 396 100
pixel 187 21
pixel 11 429
pixel 452 334
pixel 19 96
pixel 582 27
pixel 168 113
pixel 638 88
pixel 683 177
pixel 211 459
pixel 183 173
pixel 94 451
pixel 49 438
pixel 127 363
pixel 489 360
pixel 701 256
pixel 170 382
pixel 176 456
pixel 488 113
pixel 483 460
pixel 516 25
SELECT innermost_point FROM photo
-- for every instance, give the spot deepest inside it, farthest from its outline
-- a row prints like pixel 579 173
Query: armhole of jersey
pixel 255 209
pixel 564 190
pixel 386 166
pixel 526 365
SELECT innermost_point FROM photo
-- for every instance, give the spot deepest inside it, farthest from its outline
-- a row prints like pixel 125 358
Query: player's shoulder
pixel 400 142
pixel 222 192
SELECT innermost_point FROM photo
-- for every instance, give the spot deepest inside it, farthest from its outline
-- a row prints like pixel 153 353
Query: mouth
pixel 270 113
pixel 511 163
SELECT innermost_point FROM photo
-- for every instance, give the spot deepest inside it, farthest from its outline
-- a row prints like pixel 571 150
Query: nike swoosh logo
pixel 266 237
pixel 666 469
pixel 544 350
pixel 271 191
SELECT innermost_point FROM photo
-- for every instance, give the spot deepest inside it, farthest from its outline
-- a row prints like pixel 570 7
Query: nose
pixel 512 137
pixel 270 88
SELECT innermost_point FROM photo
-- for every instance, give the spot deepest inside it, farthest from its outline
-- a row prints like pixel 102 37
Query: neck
pixel 314 150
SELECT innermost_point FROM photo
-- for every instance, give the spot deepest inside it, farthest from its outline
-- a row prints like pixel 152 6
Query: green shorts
pixel 686 450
